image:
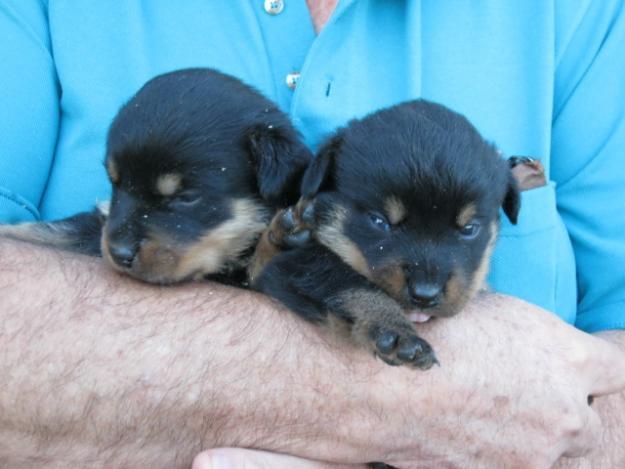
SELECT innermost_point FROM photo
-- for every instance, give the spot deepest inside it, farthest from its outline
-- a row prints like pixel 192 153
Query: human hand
pixel 611 409
pixel 511 391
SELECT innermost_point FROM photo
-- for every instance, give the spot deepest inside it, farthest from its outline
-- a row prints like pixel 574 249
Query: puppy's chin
pixel 456 293
pixel 444 310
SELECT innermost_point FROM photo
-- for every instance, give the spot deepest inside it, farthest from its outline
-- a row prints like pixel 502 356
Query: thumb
pixel 238 458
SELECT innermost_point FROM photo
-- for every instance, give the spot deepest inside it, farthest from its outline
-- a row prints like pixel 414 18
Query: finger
pixel 605 367
pixel 584 434
pixel 239 458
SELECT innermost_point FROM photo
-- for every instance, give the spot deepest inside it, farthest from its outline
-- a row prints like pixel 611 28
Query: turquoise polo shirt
pixel 540 78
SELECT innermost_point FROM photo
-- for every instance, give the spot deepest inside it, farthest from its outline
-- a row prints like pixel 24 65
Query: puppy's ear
pixel 319 175
pixel 512 200
pixel 280 159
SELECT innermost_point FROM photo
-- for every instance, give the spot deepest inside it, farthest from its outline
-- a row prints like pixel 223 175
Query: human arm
pixel 98 369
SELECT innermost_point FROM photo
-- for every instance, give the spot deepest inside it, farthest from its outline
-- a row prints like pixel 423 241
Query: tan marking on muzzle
pixel 332 236
pixel 225 243
pixel 162 260
pixel 391 279
pixel 395 210
pixel 466 214
pixel 168 184
pixel 460 287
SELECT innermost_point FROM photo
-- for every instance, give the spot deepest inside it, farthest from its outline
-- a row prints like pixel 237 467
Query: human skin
pixel 320 12
pixel 99 370
pixel 609 452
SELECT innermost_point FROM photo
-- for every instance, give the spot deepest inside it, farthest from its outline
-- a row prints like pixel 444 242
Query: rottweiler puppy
pixel 198 162
pixel 405 217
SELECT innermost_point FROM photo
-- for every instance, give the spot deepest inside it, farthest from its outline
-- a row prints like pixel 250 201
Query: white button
pixel 291 80
pixel 274 7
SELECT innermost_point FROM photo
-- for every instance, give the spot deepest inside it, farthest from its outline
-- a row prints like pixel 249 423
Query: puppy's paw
pixel 399 346
pixel 292 227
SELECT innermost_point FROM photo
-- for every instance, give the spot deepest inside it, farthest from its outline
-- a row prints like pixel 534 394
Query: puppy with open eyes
pixel 405 216
pixel 199 162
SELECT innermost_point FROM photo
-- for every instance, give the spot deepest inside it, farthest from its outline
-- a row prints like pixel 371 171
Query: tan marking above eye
pixel 168 184
pixel 466 214
pixel 111 169
pixel 395 210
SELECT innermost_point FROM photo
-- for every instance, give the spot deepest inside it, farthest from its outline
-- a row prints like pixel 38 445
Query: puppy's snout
pixel 425 294
pixel 123 254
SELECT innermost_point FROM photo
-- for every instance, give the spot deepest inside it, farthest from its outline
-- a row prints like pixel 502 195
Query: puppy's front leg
pixel 289 228
pixel 378 323
pixel 79 233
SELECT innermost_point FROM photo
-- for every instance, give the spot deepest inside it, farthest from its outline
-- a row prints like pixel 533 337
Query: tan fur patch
pixel 225 243
pixel 162 260
pixel 478 282
pixel 461 288
pixel 112 170
pixel 168 184
pixel 395 210
pixel 391 279
pixel 466 214
pixel 331 235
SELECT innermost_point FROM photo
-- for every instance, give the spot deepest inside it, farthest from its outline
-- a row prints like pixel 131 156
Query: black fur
pixel 430 163
pixel 224 142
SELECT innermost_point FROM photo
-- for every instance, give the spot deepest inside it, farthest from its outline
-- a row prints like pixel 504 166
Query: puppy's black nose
pixel 123 254
pixel 425 295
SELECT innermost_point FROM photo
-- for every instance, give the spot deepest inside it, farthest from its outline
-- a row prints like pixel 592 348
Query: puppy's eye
pixel 186 199
pixel 470 230
pixel 379 221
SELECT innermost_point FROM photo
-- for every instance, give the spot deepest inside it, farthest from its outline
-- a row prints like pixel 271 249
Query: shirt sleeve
pixel 29 118
pixel 588 156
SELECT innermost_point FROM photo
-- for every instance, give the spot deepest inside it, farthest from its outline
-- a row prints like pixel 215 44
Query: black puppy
pixel 199 162
pixel 406 204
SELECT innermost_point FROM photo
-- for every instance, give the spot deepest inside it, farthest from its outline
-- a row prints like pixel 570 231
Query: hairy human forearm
pixel 98 370
pixel 96 367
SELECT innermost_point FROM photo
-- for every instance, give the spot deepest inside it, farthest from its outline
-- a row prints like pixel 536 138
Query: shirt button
pixel 274 7
pixel 292 79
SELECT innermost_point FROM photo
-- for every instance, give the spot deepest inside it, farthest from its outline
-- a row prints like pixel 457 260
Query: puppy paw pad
pixel 404 348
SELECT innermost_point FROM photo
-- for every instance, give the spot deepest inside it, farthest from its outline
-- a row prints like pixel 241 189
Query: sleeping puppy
pixel 199 163
pixel 406 210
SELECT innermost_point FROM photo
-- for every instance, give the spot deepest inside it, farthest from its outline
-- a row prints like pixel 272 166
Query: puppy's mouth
pixel 418 316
